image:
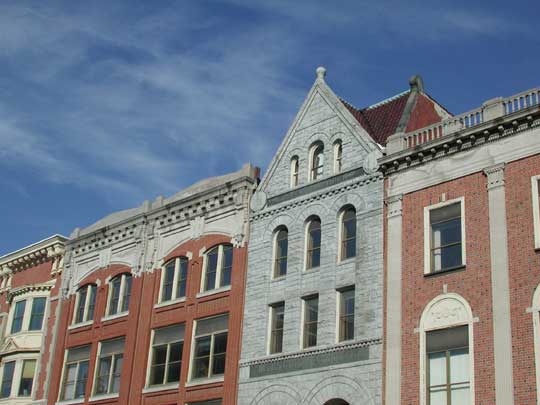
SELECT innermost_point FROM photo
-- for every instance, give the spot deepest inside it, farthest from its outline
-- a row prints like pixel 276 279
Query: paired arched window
pixel 119 294
pixel 347 247
pixel 338 154
pixel 316 161
pixel 281 247
pixel 313 248
pixel 218 269
pixel 295 166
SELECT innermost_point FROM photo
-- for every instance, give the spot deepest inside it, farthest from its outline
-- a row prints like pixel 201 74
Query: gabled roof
pixel 404 112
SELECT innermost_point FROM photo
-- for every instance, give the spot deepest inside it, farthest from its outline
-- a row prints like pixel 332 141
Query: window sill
pixel 204 381
pixel 311 270
pixel 214 291
pixel 165 387
pixel 80 325
pixel 278 279
pixel 115 316
pixel 25 332
pixel 346 261
pixel 71 401
pixel 171 302
pixel 102 397
pixel 444 271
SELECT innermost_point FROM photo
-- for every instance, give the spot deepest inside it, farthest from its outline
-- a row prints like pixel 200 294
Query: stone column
pixel 393 301
pixel 500 289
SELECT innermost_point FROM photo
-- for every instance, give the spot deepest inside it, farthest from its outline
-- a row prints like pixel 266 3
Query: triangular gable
pixel 320 91
pixel 9 346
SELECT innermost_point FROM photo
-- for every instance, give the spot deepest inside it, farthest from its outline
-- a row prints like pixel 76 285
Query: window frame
pixel 16 378
pixel 275 259
pixel 211 377
pixel 165 384
pixel 428 233
pixel 294 172
pixel 61 391
pixel 271 318
pixel 313 172
pixel 535 190
pixel 338 156
pixel 121 296
pixel 12 380
pixel 28 298
pixel 177 273
pixel 86 307
pixel 308 260
pixel 219 269
pixel 305 325
pixel 114 358
pixel 339 314
pixel 341 239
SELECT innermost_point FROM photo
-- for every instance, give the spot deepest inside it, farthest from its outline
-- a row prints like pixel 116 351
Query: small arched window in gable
pixel 317 161
pixel 294 171
pixel 281 245
pixel 348 233
pixel 338 152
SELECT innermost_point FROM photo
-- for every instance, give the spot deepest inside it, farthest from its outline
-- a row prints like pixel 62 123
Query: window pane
pixel 82 376
pixel 310 321
pixel 281 253
pixel 220 349
pixel 159 358
pixel 348 234
pixel 102 382
pixel 168 277
pixel 115 295
pixel 438 397
pixel 182 279
pixel 91 303
pixel 7 379
pixel 347 315
pixel 69 381
pixel 437 368
pixel 81 305
pixel 37 314
pixel 226 266
pixel 175 362
pixel 447 232
pixel 276 337
pixel 127 292
pixel 459 366
pixel 117 373
pixel 202 357
pixel 27 378
pixel 18 316
pixel 314 244
pixel 460 396
pixel 211 268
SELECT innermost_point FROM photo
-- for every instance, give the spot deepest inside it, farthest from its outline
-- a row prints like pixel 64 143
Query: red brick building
pixel 153 300
pixel 462 266
pixel 29 290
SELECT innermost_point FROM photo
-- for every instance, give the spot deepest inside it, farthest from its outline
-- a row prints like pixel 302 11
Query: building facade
pixel 313 319
pixel 462 258
pixel 29 291
pixel 153 300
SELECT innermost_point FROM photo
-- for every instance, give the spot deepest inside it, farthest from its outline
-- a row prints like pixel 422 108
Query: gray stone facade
pixel 351 370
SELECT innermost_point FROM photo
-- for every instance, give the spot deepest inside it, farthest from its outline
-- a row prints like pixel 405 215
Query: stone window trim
pixel 341 233
pixel 122 296
pixel 316 161
pixel 279 232
pixel 18 360
pixel 338 156
pixel 427 235
pixel 178 262
pixel 295 172
pixel 535 189
pixel 87 318
pixel 115 355
pixel 219 269
pixel 445 311
pixel 25 325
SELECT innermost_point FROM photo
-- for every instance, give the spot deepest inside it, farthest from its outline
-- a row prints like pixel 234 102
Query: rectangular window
pixel 109 367
pixel 27 378
pixel 167 348
pixel 446 250
pixel 346 314
pixel 311 317
pixel 18 316
pixel 448 366
pixel 210 347
pixel 277 315
pixel 7 379
pixel 75 373
pixel 37 314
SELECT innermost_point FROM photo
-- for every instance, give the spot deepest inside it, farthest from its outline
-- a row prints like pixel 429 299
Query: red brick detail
pixel 423 114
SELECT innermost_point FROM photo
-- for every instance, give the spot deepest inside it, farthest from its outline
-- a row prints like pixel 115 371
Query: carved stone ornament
pixel 258 201
pixel 370 162
pixel 197 227
pixel 238 240
pixel 446 312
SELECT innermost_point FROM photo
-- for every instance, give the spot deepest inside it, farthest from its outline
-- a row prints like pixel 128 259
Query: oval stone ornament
pixel 258 201
pixel 370 162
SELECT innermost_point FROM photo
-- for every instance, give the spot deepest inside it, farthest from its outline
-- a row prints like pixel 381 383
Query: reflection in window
pixel 446 235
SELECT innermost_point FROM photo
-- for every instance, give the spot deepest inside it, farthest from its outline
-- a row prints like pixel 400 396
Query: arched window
pixel 119 294
pixel 338 152
pixel 446 352
pixel 348 234
pixel 217 272
pixel 281 247
pixel 174 279
pixel 295 166
pixel 85 303
pixel 313 250
pixel 316 161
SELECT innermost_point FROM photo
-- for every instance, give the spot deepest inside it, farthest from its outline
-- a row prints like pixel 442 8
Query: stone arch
pixel 277 394
pixel 349 198
pixel 341 388
pixel 336 401
pixel 282 220
pixel 445 311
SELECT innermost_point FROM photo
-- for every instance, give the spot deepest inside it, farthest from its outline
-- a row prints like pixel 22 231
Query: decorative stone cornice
pixel 465 139
pixel 28 288
pixel 306 353
pixel 495 176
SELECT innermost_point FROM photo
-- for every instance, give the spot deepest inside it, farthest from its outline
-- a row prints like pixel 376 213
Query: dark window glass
pixel 211 269
pixel 348 234
pixel 127 292
pixel 346 315
pixel 182 278
pixel 317 163
pixel 27 378
pixel 175 362
pixel 91 302
pixel 82 377
pixel 276 328
pixel 115 295
pixel 7 379
pixel 446 249
pixel 201 363
pixel 226 267
pixel 314 244
pixel 18 316
pixel 168 279
pixel 280 268
pixel 311 315
pixel 159 361
pixel 294 171
pixel 220 351
pixel 37 314
pixel 81 305
pixel 168 345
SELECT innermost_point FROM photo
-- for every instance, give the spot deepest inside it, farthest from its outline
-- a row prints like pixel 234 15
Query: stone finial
pixel 417 83
pixel 321 72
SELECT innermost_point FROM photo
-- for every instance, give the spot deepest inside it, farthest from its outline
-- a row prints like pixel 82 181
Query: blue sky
pixel 105 104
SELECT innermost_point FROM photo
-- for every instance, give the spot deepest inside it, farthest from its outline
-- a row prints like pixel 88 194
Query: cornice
pixel 33 255
pixel 28 288
pixel 315 352
pixel 321 195
pixel 463 140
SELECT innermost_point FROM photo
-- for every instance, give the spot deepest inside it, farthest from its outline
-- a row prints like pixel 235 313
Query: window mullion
pixel 448 385
pixel 120 303
pixel 86 304
pixel 219 265
pixel 174 290
pixel 211 359
pixel 166 372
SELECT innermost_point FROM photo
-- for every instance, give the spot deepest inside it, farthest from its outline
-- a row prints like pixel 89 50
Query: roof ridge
pixel 388 100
